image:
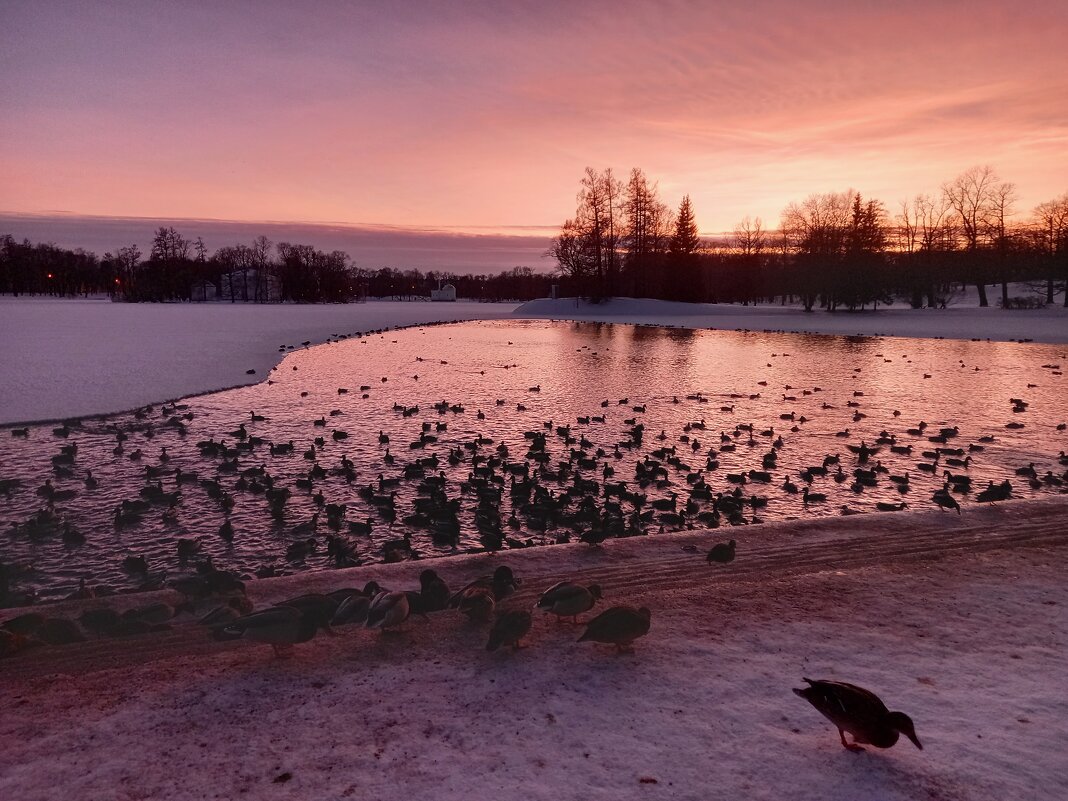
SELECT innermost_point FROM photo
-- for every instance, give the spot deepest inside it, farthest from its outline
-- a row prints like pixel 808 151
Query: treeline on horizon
pixel 833 251
pixel 181 269
pixel 836 250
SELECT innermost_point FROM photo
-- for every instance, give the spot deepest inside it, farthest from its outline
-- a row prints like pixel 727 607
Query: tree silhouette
pixel 682 255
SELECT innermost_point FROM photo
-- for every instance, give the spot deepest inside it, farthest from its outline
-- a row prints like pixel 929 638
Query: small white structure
pixel 444 293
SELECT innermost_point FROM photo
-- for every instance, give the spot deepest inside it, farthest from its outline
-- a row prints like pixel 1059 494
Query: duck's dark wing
pixel 265 619
pixel 353 609
pixel 381 606
pixel 840 700
pixel 615 624
pixel 483 581
pixel 556 593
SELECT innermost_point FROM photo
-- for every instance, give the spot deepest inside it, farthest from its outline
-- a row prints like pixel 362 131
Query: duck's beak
pixel 915 740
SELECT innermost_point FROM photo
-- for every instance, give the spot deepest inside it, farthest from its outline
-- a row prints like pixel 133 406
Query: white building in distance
pixel 443 293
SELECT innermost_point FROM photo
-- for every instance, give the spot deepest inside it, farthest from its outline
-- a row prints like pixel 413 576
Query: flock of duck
pixel 456 489
pixel 485 600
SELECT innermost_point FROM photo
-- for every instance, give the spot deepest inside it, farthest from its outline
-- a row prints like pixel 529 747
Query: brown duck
pixel 569 600
pixel 510 628
pixel 860 712
pixel 619 626
pixel 281 627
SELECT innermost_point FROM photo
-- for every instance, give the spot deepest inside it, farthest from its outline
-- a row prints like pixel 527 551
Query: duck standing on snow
pixel 388 609
pixel 476 601
pixel 510 628
pixel 860 712
pixel 500 585
pixel 619 626
pixel 569 600
pixel 281 627
pixel 722 552
pixel 434 591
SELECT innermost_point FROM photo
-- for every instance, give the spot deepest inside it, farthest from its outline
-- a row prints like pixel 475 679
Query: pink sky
pixel 480 117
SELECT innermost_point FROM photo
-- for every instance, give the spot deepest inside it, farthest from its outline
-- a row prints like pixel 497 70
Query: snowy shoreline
pixel 1048 325
pixel 924 608
pixel 150 353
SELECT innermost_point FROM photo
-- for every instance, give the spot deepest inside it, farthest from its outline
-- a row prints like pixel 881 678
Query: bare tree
pixel 750 238
pixel 647 220
pixel 833 238
pixel 260 260
pixel 589 244
pixel 1050 221
pixel 125 261
pixel 982 203
pixel 926 230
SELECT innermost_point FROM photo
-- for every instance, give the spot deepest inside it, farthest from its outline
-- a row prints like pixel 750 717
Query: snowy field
pixel 957 621
pixel 70 358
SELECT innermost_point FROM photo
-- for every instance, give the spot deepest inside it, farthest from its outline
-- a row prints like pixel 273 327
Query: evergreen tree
pixel 685 242
pixel 683 280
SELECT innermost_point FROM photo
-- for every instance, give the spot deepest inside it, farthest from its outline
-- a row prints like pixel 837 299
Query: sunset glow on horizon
pixel 481 117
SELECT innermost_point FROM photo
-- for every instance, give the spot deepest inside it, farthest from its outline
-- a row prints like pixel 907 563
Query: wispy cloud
pixel 482 115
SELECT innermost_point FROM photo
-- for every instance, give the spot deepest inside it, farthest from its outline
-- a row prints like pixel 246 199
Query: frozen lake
pixel 516 405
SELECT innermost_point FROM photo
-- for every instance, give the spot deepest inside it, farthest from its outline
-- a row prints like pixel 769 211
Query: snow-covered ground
pixel 957 621
pixel 959 321
pixel 70 358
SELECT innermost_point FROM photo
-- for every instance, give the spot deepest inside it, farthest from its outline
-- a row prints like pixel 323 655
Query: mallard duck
pixel 352 609
pixel 281 627
pixel 322 607
pixel 569 600
pixel 222 615
pixel 722 552
pixel 434 591
pixel 501 584
pixel 509 629
pixel 860 712
pixel 476 601
pixel 619 626
pixel 388 609
pixel 944 500
pixel 135 564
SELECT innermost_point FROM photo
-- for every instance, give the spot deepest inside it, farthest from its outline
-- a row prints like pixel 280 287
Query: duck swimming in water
pixel 860 712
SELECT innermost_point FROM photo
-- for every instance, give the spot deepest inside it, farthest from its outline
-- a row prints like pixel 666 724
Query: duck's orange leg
pixel 849 746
